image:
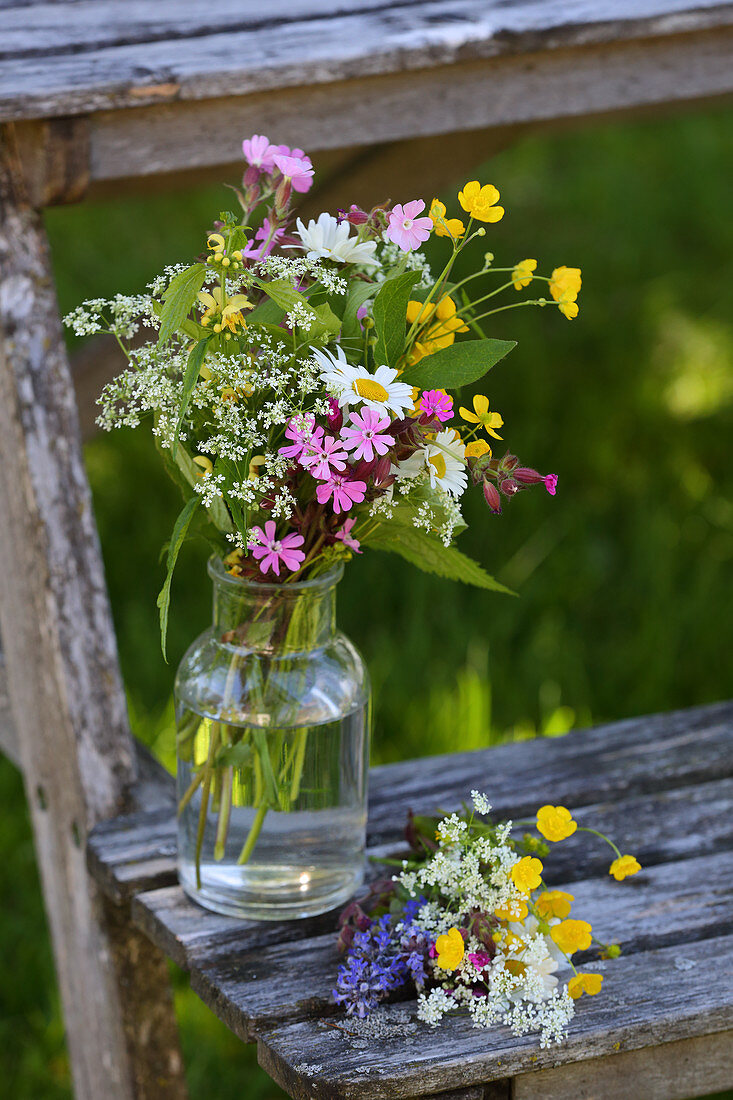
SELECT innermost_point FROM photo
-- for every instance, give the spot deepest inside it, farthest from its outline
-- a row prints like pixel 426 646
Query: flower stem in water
pixel 254 833
pixel 225 806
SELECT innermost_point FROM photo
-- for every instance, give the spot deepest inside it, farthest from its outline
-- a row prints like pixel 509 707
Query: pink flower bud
pixel 508 462
pixel 508 486
pixel 334 416
pixel 251 176
pixel 527 476
pixel 492 497
pixel 551 484
pixel 282 195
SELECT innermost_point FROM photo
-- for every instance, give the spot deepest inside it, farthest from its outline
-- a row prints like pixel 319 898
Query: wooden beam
pixel 73 742
pixel 8 739
pixel 671 1071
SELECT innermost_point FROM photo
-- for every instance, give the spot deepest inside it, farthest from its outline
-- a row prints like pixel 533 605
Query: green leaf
pixel 178 299
pixel 177 539
pixel 456 366
pixel 267 312
pixel 268 775
pixel 282 292
pixel 359 293
pixel 390 312
pixel 326 323
pixel 234 755
pixel 429 554
pixel 190 378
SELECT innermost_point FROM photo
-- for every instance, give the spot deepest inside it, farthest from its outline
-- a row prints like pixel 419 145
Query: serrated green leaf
pixel 190 378
pixel 429 554
pixel 458 365
pixel 178 299
pixel 178 536
pixel 282 292
pixel 389 313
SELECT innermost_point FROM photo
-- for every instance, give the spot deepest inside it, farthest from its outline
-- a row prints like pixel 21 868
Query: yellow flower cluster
pixel 565 283
pixel 442 322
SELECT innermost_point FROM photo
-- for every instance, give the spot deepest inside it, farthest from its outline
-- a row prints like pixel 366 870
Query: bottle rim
pixel 218 573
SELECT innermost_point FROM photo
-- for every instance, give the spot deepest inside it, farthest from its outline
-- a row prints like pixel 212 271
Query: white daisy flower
pixel 327 239
pixel 443 460
pixel 356 386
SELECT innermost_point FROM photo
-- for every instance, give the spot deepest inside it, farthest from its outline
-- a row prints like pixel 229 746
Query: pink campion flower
pixel 270 551
pixel 436 403
pixel 527 476
pixel 551 484
pixel 345 493
pixel 405 229
pixel 258 152
pixel 367 436
pixel 324 456
pixel 296 167
pixel 481 959
pixel 301 430
pixel 344 534
pixel 259 252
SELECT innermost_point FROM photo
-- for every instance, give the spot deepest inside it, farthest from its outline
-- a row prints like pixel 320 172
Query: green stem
pixel 204 807
pixel 302 739
pixel 254 833
pixel 222 826
pixel 585 829
pixel 191 791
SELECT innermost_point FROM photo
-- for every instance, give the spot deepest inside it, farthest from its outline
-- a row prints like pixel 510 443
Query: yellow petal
pixel 481 404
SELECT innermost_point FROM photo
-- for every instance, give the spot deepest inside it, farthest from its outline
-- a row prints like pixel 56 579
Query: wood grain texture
pixel 252 990
pixel 8 738
pixel 138 853
pixel 130 68
pixel 671 1071
pixel 620 760
pixel 68 706
pixel 651 998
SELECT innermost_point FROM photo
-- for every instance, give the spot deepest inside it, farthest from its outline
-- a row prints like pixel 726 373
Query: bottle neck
pixel 274 619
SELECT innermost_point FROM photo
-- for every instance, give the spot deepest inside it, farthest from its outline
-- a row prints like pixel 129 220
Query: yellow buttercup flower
pixel 477 448
pixel 585 983
pixel 522 274
pixel 568 306
pixel 441 333
pixel 445 227
pixel 565 281
pixel 555 823
pixel 572 935
pixel 480 202
pixel 515 911
pixel 527 874
pixel 554 903
pixel 481 415
pixel 450 948
pixel 624 866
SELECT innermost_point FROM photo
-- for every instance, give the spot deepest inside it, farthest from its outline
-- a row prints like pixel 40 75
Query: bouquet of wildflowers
pixel 299 382
pixel 300 385
pixel 471 923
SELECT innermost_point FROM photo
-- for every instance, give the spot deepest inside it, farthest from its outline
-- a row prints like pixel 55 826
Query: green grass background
pixel 625 577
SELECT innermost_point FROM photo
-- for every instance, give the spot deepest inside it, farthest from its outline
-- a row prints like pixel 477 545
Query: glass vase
pixel 273 714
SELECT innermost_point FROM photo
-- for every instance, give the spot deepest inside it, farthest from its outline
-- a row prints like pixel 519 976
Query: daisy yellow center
pixel 370 390
pixel 439 463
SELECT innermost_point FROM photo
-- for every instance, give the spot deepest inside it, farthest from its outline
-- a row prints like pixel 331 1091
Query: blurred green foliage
pixel 625 577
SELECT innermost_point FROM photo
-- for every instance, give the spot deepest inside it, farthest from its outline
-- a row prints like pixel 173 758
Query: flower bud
pixel 282 195
pixel 508 462
pixel 334 416
pixel 527 476
pixel 251 176
pixel 492 497
pixel 508 486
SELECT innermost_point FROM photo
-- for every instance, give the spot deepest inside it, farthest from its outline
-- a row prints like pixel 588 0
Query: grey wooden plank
pixel 620 760
pixel 658 996
pixel 8 738
pixel 671 1071
pixel 634 759
pixel 42 29
pixel 324 50
pixel 251 990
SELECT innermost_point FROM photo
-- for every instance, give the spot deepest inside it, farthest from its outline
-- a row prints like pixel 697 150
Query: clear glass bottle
pixel 273 714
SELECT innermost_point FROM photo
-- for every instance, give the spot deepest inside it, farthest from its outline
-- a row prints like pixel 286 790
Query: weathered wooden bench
pixel 96 95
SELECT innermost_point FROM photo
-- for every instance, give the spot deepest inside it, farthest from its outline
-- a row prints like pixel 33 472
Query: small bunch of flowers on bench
pixel 471 923
pixel 304 388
